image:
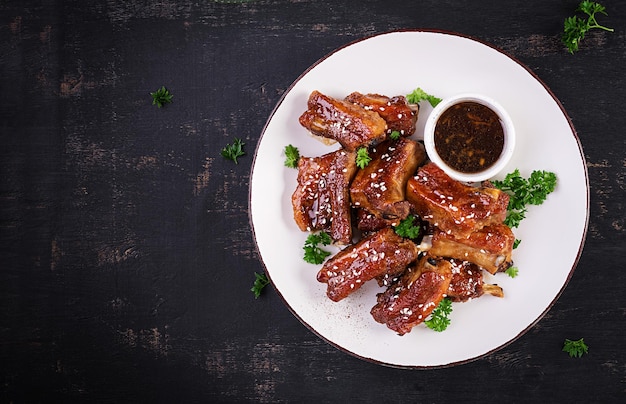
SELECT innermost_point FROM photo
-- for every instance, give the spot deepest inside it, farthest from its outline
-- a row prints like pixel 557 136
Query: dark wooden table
pixel 127 255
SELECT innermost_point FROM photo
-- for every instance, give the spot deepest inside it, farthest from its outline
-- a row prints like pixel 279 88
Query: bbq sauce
pixel 469 137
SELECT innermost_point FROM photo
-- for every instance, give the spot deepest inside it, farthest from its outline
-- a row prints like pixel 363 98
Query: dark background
pixel 126 253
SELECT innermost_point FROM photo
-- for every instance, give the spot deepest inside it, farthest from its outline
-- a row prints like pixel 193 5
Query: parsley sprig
pixel 292 155
pixel 260 282
pixel 407 228
pixel 523 192
pixel 161 97
pixel 439 320
pixel 420 95
pixel 575 348
pixel 313 254
pixel 362 157
pixel 575 28
pixel 512 271
pixel 233 151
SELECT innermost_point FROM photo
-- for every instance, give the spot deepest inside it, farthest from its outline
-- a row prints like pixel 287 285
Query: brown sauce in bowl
pixel 469 137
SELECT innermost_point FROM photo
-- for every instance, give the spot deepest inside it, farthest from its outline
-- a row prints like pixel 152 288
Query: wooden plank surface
pixel 126 254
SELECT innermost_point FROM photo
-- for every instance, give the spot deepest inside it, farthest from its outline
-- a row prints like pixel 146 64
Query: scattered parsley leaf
pixel 516 243
pixel 575 348
pixel 312 253
pixel 292 155
pixel 260 282
pixel 232 151
pixel 362 157
pixel 575 28
pixel 420 95
pixel 161 97
pixel 512 272
pixel 523 192
pixel 407 229
pixel 439 320
pixel 395 135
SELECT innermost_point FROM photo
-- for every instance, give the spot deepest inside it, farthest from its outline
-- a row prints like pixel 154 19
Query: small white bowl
pixel 507 126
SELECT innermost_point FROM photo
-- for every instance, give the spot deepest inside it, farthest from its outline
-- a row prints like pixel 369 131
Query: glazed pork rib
pixel 467 283
pixel 321 200
pixel 380 187
pixel 452 206
pixel 382 253
pixel 410 300
pixel 394 110
pixel 490 247
pixel 351 125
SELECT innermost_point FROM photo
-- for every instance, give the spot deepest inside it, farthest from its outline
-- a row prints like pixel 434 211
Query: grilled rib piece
pixel 394 110
pixel 368 222
pixel 410 300
pixel 380 187
pixel 321 200
pixel 381 253
pixel 491 247
pixel 467 283
pixel 452 206
pixel 351 125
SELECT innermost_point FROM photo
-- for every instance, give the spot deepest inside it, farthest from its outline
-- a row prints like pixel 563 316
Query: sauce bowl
pixel 498 134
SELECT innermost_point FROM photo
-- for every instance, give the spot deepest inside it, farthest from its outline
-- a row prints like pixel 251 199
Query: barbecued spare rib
pixel 381 254
pixel 321 200
pixel 380 187
pixel 394 110
pixel 452 206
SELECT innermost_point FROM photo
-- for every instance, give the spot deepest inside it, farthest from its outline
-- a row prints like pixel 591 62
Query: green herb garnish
pixel 512 272
pixel 292 155
pixel 312 253
pixel 522 192
pixel 362 157
pixel 407 229
pixel 232 151
pixel 394 135
pixel 575 348
pixel 161 97
pixel 420 95
pixel 575 28
pixel 439 320
pixel 260 282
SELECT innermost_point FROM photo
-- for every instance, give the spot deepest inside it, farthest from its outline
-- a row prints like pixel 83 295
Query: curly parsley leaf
pixel 575 348
pixel 420 95
pixel 523 192
pixel 313 254
pixel 575 28
pixel 292 155
pixel 362 157
pixel 260 282
pixel 233 151
pixel 439 320
pixel 394 135
pixel 406 228
pixel 512 272
pixel 161 97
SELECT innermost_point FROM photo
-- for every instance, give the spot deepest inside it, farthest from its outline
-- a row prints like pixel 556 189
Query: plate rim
pixel 573 132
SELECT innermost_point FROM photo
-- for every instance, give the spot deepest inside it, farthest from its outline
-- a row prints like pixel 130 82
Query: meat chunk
pixel 349 124
pixel 467 283
pixel 394 110
pixel 411 299
pixel 321 200
pixel 453 206
pixel 368 222
pixel 380 187
pixel 381 253
pixel 491 247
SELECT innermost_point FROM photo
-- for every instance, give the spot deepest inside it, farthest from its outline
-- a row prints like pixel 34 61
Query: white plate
pixel 552 235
